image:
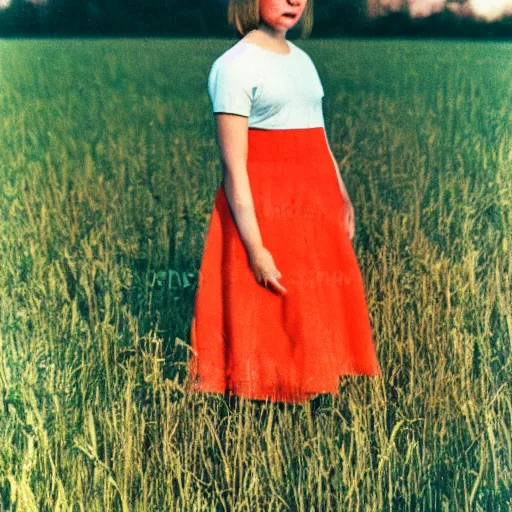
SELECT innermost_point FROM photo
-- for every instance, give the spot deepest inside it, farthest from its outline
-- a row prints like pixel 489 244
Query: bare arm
pixel 232 132
pixel 343 189
pixel 350 222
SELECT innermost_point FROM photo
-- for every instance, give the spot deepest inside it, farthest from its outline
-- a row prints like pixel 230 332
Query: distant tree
pixel 117 16
pixel 19 18
pixel 63 16
pixel 333 18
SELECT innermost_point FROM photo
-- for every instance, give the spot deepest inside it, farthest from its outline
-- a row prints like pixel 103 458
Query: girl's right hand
pixel 264 269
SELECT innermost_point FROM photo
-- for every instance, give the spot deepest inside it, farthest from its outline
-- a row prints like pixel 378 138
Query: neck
pixel 277 35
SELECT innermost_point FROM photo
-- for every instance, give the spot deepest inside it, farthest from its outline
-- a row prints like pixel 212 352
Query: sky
pixel 484 10
pixel 6 3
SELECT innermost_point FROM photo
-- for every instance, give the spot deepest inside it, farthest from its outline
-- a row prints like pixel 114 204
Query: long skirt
pixel 249 340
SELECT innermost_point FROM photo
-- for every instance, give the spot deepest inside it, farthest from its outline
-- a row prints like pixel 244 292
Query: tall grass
pixel 108 169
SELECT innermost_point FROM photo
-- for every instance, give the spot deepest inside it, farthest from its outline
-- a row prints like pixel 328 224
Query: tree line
pixel 208 18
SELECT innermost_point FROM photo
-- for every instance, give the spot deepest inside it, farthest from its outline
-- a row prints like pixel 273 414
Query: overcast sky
pixel 485 10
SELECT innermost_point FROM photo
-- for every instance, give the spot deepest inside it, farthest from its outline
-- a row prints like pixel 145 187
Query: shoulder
pixel 302 54
pixel 306 62
pixel 298 49
pixel 235 60
pixel 231 81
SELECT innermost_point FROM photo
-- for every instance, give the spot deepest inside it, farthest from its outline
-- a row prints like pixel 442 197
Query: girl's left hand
pixel 349 219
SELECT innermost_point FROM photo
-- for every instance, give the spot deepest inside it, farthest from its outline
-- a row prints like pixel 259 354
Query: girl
pixel 280 310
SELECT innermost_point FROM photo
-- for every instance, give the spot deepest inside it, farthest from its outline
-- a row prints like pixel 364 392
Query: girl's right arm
pixel 232 133
pixel 232 138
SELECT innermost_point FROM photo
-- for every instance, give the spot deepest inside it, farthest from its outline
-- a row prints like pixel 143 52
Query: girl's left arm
pixel 349 209
pixel 343 189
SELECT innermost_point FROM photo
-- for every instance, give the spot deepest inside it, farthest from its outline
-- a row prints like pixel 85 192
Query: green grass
pixel 108 170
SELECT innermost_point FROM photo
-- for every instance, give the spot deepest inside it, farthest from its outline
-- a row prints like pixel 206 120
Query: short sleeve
pixel 230 88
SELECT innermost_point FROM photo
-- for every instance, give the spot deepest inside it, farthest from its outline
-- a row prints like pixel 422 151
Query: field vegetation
pixel 108 170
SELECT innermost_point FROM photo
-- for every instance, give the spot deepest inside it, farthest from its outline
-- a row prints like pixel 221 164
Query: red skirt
pixel 251 341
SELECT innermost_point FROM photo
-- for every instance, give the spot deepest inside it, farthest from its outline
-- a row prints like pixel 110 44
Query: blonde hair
pixel 244 16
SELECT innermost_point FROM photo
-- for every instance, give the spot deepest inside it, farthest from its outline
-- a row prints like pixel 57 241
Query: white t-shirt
pixel 273 90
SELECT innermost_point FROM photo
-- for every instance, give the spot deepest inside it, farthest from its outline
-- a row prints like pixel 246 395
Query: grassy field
pixel 108 170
